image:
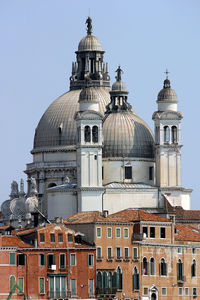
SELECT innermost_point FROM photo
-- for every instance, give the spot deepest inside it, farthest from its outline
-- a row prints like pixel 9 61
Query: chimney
pixel 105 213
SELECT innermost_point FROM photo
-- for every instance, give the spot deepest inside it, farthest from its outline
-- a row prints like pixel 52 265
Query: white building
pixel 93 152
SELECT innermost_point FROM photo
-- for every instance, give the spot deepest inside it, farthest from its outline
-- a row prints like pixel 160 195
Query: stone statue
pixel 89 25
pixel 119 74
pixel 67 180
pixel 14 190
pixel 33 190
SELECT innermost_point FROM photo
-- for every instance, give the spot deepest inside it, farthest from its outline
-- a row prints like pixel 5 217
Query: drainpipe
pixel 67 270
pixel 102 198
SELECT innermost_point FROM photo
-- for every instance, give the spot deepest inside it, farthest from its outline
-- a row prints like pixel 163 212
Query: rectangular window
pixel 152 232
pixel 42 260
pixel 60 238
pixel 73 287
pixel 72 259
pixel 109 232
pixel 194 292
pixel 51 260
pixel 90 258
pixel 126 252
pixel 164 291
pixel 135 253
pixel 52 238
pixel 150 173
pixel 102 173
pixel 179 250
pixel 41 285
pixel 99 254
pixel 21 285
pixel 21 259
pixel 145 231
pixel 91 287
pixel 128 172
pixel 118 252
pixel 186 291
pixel 109 252
pixel 70 238
pixel 118 232
pixel 42 238
pixel 180 291
pixel 145 291
pixel 99 232
pixel 125 232
pixel 162 232
pixel 12 258
pixel 193 250
pixel 62 261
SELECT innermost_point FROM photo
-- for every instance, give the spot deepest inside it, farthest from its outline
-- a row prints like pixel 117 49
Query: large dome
pixel 57 126
pixel 126 135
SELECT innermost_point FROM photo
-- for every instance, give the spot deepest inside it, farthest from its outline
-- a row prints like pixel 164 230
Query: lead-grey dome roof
pixel 57 126
pixel 127 135
pixel 167 94
pixel 89 43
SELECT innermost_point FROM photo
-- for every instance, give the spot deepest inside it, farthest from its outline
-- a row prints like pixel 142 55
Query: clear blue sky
pixel 38 40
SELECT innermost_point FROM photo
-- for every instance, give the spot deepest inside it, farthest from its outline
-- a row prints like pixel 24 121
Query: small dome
pixel 119 86
pixel 89 43
pixel 167 94
pixel 88 94
pixel 127 135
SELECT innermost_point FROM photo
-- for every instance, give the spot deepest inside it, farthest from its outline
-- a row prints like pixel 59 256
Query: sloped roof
pixel 182 214
pixel 187 233
pixel 123 216
pixel 13 241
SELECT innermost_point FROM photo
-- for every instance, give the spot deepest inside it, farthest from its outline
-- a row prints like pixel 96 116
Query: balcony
pixel 137 237
pixel 181 279
pixel 102 292
pixel 59 295
pixel 118 258
pixel 126 258
pixel 110 258
pixel 99 258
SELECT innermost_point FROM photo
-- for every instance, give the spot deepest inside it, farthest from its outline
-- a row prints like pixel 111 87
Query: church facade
pixel 93 152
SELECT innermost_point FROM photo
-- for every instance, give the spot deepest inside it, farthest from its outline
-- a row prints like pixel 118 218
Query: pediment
pixel 89 115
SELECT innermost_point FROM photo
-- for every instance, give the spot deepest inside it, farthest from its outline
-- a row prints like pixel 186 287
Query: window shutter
pixel 44 260
pixel 114 280
pixel 147 268
pixel 160 269
pixel 178 271
pixel 53 259
pixel 142 268
pixel 166 269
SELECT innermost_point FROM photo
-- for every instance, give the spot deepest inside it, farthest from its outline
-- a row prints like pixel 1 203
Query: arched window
pixel 12 283
pixel 119 278
pixel 145 267
pixel 110 280
pixel 163 267
pixel 194 268
pixel 87 133
pixel 105 280
pixel 99 280
pixel 152 266
pixel 174 134
pixel 114 281
pixel 180 270
pixel 166 134
pixel 95 134
pixel 136 279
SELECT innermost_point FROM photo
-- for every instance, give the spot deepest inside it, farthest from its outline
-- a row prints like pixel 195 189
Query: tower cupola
pixel 89 62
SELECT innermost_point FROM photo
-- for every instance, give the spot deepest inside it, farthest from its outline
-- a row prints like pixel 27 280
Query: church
pixel 92 152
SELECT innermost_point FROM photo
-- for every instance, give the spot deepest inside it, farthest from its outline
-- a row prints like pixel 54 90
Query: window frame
pixel 41 293
pixel 135 257
pixel 75 281
pixel 9 282
pixel 89 280
pixel 126 229
pixel 63 266
pixel 146 229
pixel 109 228
pixel 52 255
pixel 151 233
pixel 11 253
pixel 109 247
pixel 180 289
pixel 90 264
pixel 52 238
pixel 42 240
pixel 71 262
pixel 100 231
pixel 100 249
pixel 194 294
pixel 127 175
pixel 44 257
pixel 186 289
pixel 164 288
pixel 126 257
pixel 120 252
pixel 18 258
pixel 21 292
pixel 60 235
pixel 118 229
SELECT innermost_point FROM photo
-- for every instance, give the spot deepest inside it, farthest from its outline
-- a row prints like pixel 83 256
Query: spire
pixel 166 81
pixel 89 26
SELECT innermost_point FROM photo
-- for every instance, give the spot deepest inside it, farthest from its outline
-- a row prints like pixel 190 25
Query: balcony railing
pixel 137 237
pixel 181 279
pixel 106 291
pixel 59 294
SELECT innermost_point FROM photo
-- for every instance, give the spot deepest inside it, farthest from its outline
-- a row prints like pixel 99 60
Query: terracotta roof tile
pixel 123 216
pixel 13 241
pixel 187 233
pixel 182 214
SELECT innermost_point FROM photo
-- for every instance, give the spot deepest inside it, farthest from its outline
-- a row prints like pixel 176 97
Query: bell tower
pixel 167 121
pixel 89 151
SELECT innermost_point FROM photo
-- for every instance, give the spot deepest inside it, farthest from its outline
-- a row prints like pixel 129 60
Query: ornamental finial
pixel 119 74
pixel 166 81
pixel 89 26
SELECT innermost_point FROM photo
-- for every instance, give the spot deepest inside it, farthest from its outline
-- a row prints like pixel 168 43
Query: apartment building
pixel 47 262
pixel 141 255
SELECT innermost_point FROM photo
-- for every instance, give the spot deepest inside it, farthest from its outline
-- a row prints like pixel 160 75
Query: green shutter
pixel 21 285
pixel 12 258
pixel 12 283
